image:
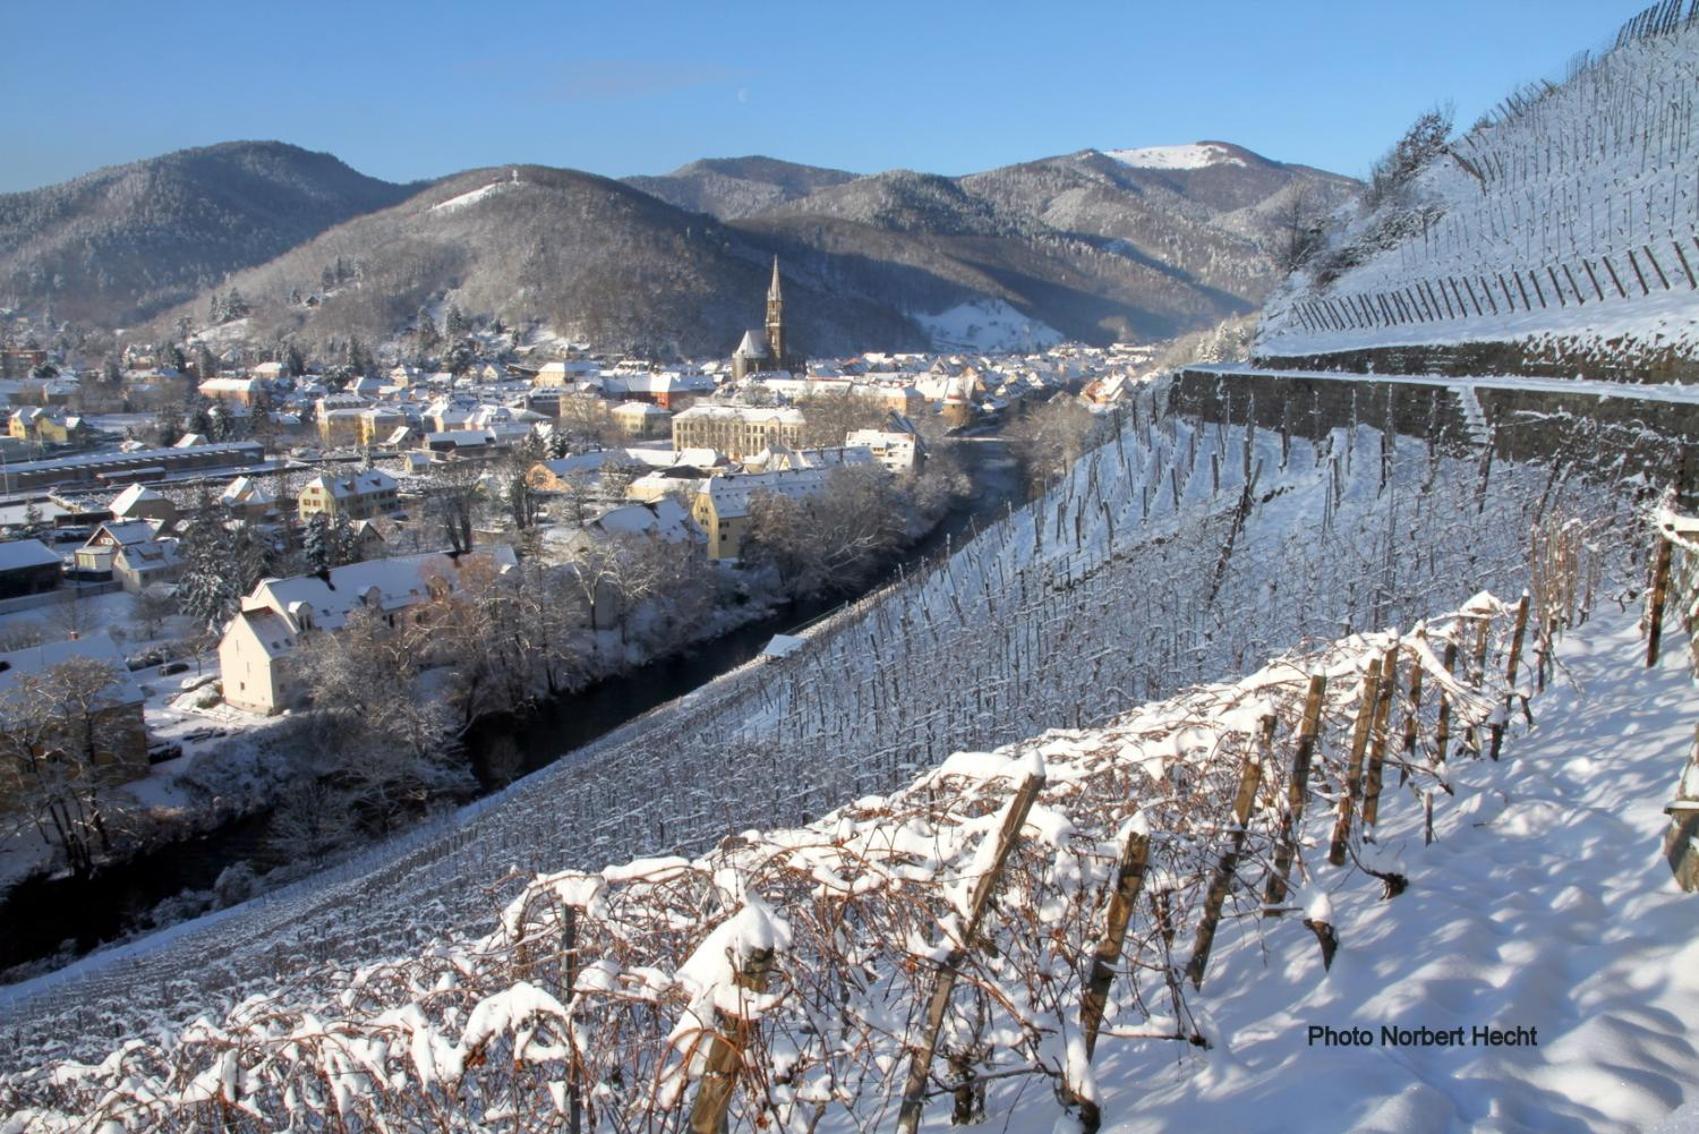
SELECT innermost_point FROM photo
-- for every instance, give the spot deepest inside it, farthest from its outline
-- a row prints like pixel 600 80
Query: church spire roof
pixel 773 288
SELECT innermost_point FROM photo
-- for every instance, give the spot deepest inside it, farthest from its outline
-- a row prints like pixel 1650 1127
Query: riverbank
pixel 179 880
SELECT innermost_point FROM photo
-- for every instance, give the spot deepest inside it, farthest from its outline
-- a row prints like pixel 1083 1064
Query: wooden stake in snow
pixel 1442 729
pixel 1275 892
pixel 725 1054
pixel 1510 671
pixel 1129 881
pixel 920 1062
pixel 1354 769
pixel 1249 780
pixel 1660 591
pixel 1377 738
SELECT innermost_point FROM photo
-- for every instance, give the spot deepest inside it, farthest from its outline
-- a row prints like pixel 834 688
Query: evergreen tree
pixel 454 323
pixel 235 307
pixel 315 543
pixel 207 590
pixel 294 362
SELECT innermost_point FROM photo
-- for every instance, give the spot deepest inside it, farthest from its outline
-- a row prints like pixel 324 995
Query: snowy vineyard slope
pixel 1149 568
pixel 1571 215
pixel 606 992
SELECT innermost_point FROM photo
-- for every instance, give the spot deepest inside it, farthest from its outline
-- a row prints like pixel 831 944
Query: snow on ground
pixel 1666 392
pixel 1662 319
pixel 1542 910
pixel 476 195
pixel 989 325
pixel 1544 903
pixel 1197 155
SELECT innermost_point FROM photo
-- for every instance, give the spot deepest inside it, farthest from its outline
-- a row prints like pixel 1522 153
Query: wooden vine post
pixel 725 1054
pixel 1287 848
pixel 1377 738
pixel 1354 769
pixel 1660 594
pixel 1442 728
pixel 1129 881
pixel 1510 671
pixel 938 1006
pixel 1250 778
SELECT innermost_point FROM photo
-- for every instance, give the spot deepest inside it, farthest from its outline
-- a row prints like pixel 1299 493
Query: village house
pixel 722 505
pixel 138 566
pixel 736 430
pixel 248 498
pixel 48 427
pixel 28 567
pixel 256 653
pixel 238 391
pixel 357 496
pixel 139 502
pixel 377 423
pixel 642 421
pixel 897 451
pixel 95 556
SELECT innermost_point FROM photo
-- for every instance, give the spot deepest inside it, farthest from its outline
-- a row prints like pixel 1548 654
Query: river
pixel 41 914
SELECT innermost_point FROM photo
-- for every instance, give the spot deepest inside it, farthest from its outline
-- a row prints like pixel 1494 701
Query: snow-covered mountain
pixel 121 244
pixel 1083 246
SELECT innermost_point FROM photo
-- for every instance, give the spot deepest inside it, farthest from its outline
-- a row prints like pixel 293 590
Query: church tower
pixel 776 319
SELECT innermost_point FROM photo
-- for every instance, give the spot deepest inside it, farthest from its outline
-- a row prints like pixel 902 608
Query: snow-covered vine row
pixel 601 997
pixel 1574 207
pixel 1179 552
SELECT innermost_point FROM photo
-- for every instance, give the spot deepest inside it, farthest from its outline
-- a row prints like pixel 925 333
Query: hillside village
pixel 456 722
pixel 262 510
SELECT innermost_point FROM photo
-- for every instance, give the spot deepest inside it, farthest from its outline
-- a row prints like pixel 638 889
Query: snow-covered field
pixel 988 326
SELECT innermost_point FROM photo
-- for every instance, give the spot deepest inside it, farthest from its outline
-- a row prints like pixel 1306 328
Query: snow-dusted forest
pixel 1183 550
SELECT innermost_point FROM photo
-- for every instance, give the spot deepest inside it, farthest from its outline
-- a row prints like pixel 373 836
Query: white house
pixel 259 643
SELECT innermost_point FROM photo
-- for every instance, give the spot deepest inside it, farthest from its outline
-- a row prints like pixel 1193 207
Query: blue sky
pixel 405 91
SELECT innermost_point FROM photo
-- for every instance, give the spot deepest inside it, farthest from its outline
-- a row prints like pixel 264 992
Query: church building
pixel 757 354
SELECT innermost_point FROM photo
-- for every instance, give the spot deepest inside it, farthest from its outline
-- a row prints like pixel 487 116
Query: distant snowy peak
pixel 1196 155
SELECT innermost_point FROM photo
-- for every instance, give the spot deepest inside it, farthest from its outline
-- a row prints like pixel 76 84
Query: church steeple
pixel 775 318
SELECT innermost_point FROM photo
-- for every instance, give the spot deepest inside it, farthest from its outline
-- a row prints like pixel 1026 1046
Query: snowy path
pixel 1648 392
pixel 1544 903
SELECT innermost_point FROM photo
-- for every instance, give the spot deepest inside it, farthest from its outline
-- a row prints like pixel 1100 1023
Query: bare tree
pixel 832 539
pixel 59 732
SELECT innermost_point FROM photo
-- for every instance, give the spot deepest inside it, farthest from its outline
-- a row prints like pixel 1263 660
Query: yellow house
pixel 722 505
pixel 358 496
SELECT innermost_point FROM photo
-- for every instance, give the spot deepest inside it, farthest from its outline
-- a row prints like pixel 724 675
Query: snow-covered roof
pixel 731 494
pixel 35 660
pixel 245 490
pixel 754 345
pixel 20 554
pixel 132 496
pixel 124 533
pixel 386 584
pixel 363 483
